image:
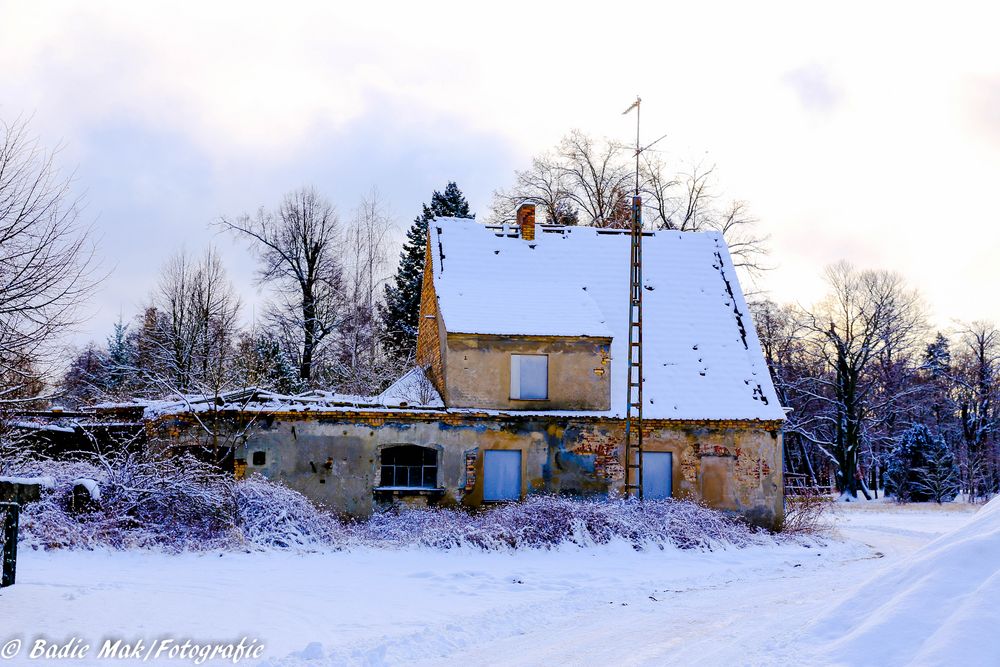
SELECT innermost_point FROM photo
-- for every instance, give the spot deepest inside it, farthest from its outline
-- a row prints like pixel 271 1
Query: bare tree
pixel 596 176
pixel 193 323
pixel 688 202
pixel 782 332
pixel 298 247
pixel 976 388
pixel 544 184
pixel 866 315
pixel 358 363
pixel 582 180
pixel 587 181
pixel 47 259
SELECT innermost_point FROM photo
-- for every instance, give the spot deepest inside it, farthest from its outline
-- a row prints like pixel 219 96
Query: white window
pixel 529 376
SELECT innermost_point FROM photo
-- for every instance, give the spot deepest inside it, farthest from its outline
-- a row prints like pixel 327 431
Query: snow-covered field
pixel 783 604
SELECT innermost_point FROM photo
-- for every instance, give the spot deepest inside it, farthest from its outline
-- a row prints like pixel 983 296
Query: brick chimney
pixel 526 221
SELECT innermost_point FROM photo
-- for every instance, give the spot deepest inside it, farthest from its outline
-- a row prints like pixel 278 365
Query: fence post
pixel 8 531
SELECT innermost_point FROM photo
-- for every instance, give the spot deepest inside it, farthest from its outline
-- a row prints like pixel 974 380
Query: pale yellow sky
pixel 865 131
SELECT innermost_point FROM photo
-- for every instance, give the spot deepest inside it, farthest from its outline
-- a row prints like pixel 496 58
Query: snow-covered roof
pixel 701 355
pixel 413 388
pixel 411 391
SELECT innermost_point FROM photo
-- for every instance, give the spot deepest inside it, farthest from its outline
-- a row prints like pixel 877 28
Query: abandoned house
pixel 522 388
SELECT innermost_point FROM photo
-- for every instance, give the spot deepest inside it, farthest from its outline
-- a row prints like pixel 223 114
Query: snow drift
pixel 938 607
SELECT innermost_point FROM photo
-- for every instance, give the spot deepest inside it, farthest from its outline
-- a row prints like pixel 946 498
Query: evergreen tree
pixel 936 368
pixel 261 361
pixel 921 467
pixel 120 360
pixel 401 311
pixel 939 478
pixel 937 357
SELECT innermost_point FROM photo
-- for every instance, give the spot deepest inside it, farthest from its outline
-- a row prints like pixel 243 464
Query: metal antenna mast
pixel 633 413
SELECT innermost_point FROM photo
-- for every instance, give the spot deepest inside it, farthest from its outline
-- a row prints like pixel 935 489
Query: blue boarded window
pixel 501 475
pixel 529 377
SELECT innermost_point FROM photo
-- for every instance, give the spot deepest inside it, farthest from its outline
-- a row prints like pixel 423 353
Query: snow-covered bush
pixel 182 504
pixel 805 513
pixel 177 503
pixel 272 515
pixel 550 521
pixel 144 502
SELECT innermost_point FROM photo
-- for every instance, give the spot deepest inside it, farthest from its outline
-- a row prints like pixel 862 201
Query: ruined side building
pixel 521 386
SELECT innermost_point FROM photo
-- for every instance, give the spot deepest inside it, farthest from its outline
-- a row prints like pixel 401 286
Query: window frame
pixel 515 377
pixel 423 468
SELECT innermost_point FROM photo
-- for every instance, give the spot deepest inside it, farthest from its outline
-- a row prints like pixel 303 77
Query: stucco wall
pixel 478 373
pixel 730 465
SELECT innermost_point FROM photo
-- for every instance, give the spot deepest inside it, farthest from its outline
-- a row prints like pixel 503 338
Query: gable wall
pixel 479 372
pixel 430 330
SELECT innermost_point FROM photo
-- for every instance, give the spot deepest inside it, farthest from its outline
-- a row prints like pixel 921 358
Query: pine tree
pixel 937 357
pixel 401 311
pixel 262 362
pixel 921 468
pixel 938 479
pixel 120 361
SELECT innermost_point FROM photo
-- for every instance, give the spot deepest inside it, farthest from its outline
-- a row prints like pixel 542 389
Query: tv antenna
pixel 633 408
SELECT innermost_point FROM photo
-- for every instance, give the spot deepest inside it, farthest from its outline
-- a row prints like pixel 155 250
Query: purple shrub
pixel 545 522
pixel 181 504
pixel 271 515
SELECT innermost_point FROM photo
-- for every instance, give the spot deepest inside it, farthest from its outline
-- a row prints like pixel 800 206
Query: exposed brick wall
pixel 471 457
pixel 604 444
pixel 428 332
pixel 526 221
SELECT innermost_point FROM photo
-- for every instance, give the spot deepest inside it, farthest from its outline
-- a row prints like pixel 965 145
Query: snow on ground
pixel 600 605
pixel 939 606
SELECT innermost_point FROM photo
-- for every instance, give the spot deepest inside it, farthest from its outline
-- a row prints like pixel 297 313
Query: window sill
pixel 408 491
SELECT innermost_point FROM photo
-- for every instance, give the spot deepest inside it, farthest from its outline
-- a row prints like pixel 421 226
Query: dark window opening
pixel 259 458
pixel 409 466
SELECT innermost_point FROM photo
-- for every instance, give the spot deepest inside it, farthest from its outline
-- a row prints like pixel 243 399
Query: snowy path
pixel 577 606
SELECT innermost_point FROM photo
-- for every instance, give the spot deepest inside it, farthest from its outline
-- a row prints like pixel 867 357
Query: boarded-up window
pixel 501 474
pixel 529 376
pixel 657 475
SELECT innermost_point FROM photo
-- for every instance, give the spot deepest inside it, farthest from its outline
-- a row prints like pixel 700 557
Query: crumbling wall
pixel 478 371
pixel 334 458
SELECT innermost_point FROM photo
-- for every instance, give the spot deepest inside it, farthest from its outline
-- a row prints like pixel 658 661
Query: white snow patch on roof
pixel 413 389
pixel 702 358
pixel 409 392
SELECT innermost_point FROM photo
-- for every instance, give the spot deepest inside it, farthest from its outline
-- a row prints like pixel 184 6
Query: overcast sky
pixel 866 131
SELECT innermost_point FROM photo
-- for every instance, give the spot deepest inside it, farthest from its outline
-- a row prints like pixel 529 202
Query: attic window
pixel 529 377
pixel 259 458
